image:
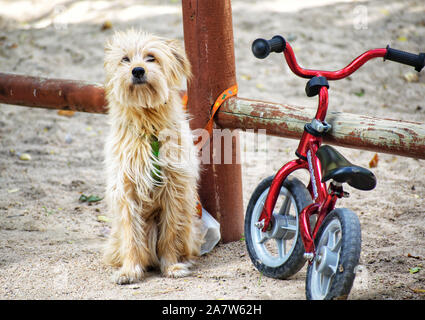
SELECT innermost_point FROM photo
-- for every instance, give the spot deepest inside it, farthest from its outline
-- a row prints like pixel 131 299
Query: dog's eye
pixel 150 58
pixel 125 59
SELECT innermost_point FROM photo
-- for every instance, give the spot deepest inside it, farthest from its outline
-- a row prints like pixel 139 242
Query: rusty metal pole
pixel 208 34
pixel 52 93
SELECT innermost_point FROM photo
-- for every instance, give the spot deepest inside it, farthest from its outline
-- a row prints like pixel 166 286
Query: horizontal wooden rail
pixel 348 130
pixel 398 137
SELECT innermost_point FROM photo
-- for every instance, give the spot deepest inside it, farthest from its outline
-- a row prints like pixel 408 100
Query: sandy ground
pixel 50 243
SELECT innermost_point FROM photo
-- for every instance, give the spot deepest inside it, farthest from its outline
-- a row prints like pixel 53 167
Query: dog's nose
pixel 138 72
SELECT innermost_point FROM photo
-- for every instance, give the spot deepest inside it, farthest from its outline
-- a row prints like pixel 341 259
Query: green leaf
pixel 155 145
pixel 155 148
pixel 360 93
pixel 414 270
pixel 48 211
pixel 91 198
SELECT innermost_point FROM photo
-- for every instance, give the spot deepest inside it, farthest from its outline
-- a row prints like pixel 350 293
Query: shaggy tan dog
pixel 151 161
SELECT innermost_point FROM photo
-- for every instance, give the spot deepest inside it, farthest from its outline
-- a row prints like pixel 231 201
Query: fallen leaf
pixel 13 190
pixel 360 93
pixel 417 290
pixel 412 256
pixel 106 25
pixel 374 162
pixel 414 270
pixel 411 77
pixel 48 211
pixel 66 113
pixel 103 219
pixel 402 39
pixel 25 156
pixel 91 198
pixel 385 12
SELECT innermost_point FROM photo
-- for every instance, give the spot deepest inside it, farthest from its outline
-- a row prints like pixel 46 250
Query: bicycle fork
pixel 323 201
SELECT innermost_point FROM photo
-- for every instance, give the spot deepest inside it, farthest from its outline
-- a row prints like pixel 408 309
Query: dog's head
pixel 141 69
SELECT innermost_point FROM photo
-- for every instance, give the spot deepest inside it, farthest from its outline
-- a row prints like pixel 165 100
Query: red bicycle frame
pixel 324 199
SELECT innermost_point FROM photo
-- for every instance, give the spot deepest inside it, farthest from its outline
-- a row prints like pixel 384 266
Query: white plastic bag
pixel 211 230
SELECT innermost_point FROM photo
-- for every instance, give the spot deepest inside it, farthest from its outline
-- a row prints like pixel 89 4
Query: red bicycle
pixel 287 223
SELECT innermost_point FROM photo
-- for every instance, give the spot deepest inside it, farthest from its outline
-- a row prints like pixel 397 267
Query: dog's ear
pixel 183 64
pixel 112 49
pixel 108 48
pixel 108 45
pixel 106 59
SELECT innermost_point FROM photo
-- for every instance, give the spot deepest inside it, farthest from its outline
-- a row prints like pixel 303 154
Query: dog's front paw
pixel 177 270
pixel 128 275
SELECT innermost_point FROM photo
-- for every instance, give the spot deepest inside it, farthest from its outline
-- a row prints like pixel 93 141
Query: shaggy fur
pixel 152 199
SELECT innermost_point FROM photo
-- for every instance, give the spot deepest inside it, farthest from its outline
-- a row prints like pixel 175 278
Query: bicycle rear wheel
pixel 338 245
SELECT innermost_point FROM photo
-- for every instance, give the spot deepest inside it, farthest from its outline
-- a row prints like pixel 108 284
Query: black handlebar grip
pixel 410 59
pixel 261 48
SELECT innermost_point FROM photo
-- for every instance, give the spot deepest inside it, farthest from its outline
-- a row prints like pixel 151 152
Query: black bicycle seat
pixel 338 168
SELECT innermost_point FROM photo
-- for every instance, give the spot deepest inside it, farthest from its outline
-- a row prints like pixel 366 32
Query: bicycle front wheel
pixel 279 252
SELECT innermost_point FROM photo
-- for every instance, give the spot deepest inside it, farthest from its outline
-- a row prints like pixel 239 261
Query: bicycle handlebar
pixel 261 48
pixel 410 59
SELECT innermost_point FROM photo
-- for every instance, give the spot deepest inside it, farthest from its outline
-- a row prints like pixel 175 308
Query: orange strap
pixel 184 101
pixel 226 94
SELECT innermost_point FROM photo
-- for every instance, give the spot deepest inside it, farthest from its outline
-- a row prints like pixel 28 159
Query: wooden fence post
pixel 208 35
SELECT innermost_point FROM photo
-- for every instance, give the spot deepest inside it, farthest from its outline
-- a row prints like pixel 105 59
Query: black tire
pixel 294 260
pixel 341 281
